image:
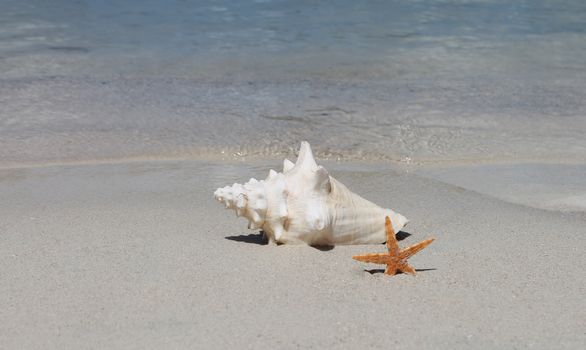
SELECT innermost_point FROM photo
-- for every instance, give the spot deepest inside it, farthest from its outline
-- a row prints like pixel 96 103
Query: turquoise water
pixel 294 39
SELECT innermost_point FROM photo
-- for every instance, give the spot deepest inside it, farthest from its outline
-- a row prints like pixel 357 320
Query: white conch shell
pixel 304 204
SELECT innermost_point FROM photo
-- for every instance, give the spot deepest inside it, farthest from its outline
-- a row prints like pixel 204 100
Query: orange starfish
pixel 395 259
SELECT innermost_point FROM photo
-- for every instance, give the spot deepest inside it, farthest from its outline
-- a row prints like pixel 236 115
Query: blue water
pixel 293 39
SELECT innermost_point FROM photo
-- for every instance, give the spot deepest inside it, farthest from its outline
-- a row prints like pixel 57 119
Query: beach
pixel 118 121
pixel 139 255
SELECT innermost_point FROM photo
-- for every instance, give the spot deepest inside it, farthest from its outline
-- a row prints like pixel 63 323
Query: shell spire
pixel 305 204
pixel 305 159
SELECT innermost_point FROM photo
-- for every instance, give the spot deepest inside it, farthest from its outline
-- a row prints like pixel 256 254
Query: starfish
pixel 395 259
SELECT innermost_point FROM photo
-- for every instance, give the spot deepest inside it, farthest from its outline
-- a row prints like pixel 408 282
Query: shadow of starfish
pixel 375 271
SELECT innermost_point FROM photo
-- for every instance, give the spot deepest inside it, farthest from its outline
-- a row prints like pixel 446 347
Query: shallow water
pixel 86 119
pixel 418 82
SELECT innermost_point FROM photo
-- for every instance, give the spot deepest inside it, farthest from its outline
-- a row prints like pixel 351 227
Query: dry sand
pixel 139 255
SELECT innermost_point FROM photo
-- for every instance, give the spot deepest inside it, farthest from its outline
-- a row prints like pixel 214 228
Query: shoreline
pixel 420 126
pixel 426 122
pixel 221 157
pixel 550 186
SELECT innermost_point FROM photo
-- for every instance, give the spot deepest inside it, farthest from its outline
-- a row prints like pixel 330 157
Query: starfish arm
pixel 391 270
pixel 406 268
pixel 414 249
pixel 375 258
pixel 392 243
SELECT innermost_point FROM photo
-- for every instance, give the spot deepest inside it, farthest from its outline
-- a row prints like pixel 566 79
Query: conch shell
pixel 304 204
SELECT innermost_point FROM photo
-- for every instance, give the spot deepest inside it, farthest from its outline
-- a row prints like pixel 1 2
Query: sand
pixel 139 255
pixel 558 187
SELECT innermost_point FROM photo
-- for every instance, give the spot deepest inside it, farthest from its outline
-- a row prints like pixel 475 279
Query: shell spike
pixel 287 165
pixel 278 232
pixel 322 180
pixel 305 160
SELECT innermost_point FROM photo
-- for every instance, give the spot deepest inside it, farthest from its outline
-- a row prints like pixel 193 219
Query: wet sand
pixel 545 186
pixel 139 255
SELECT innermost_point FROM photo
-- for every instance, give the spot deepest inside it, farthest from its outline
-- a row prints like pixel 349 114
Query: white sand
pixel 137 256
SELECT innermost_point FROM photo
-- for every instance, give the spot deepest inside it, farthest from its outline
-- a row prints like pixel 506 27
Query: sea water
pixel 428 83
pixel 295 39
